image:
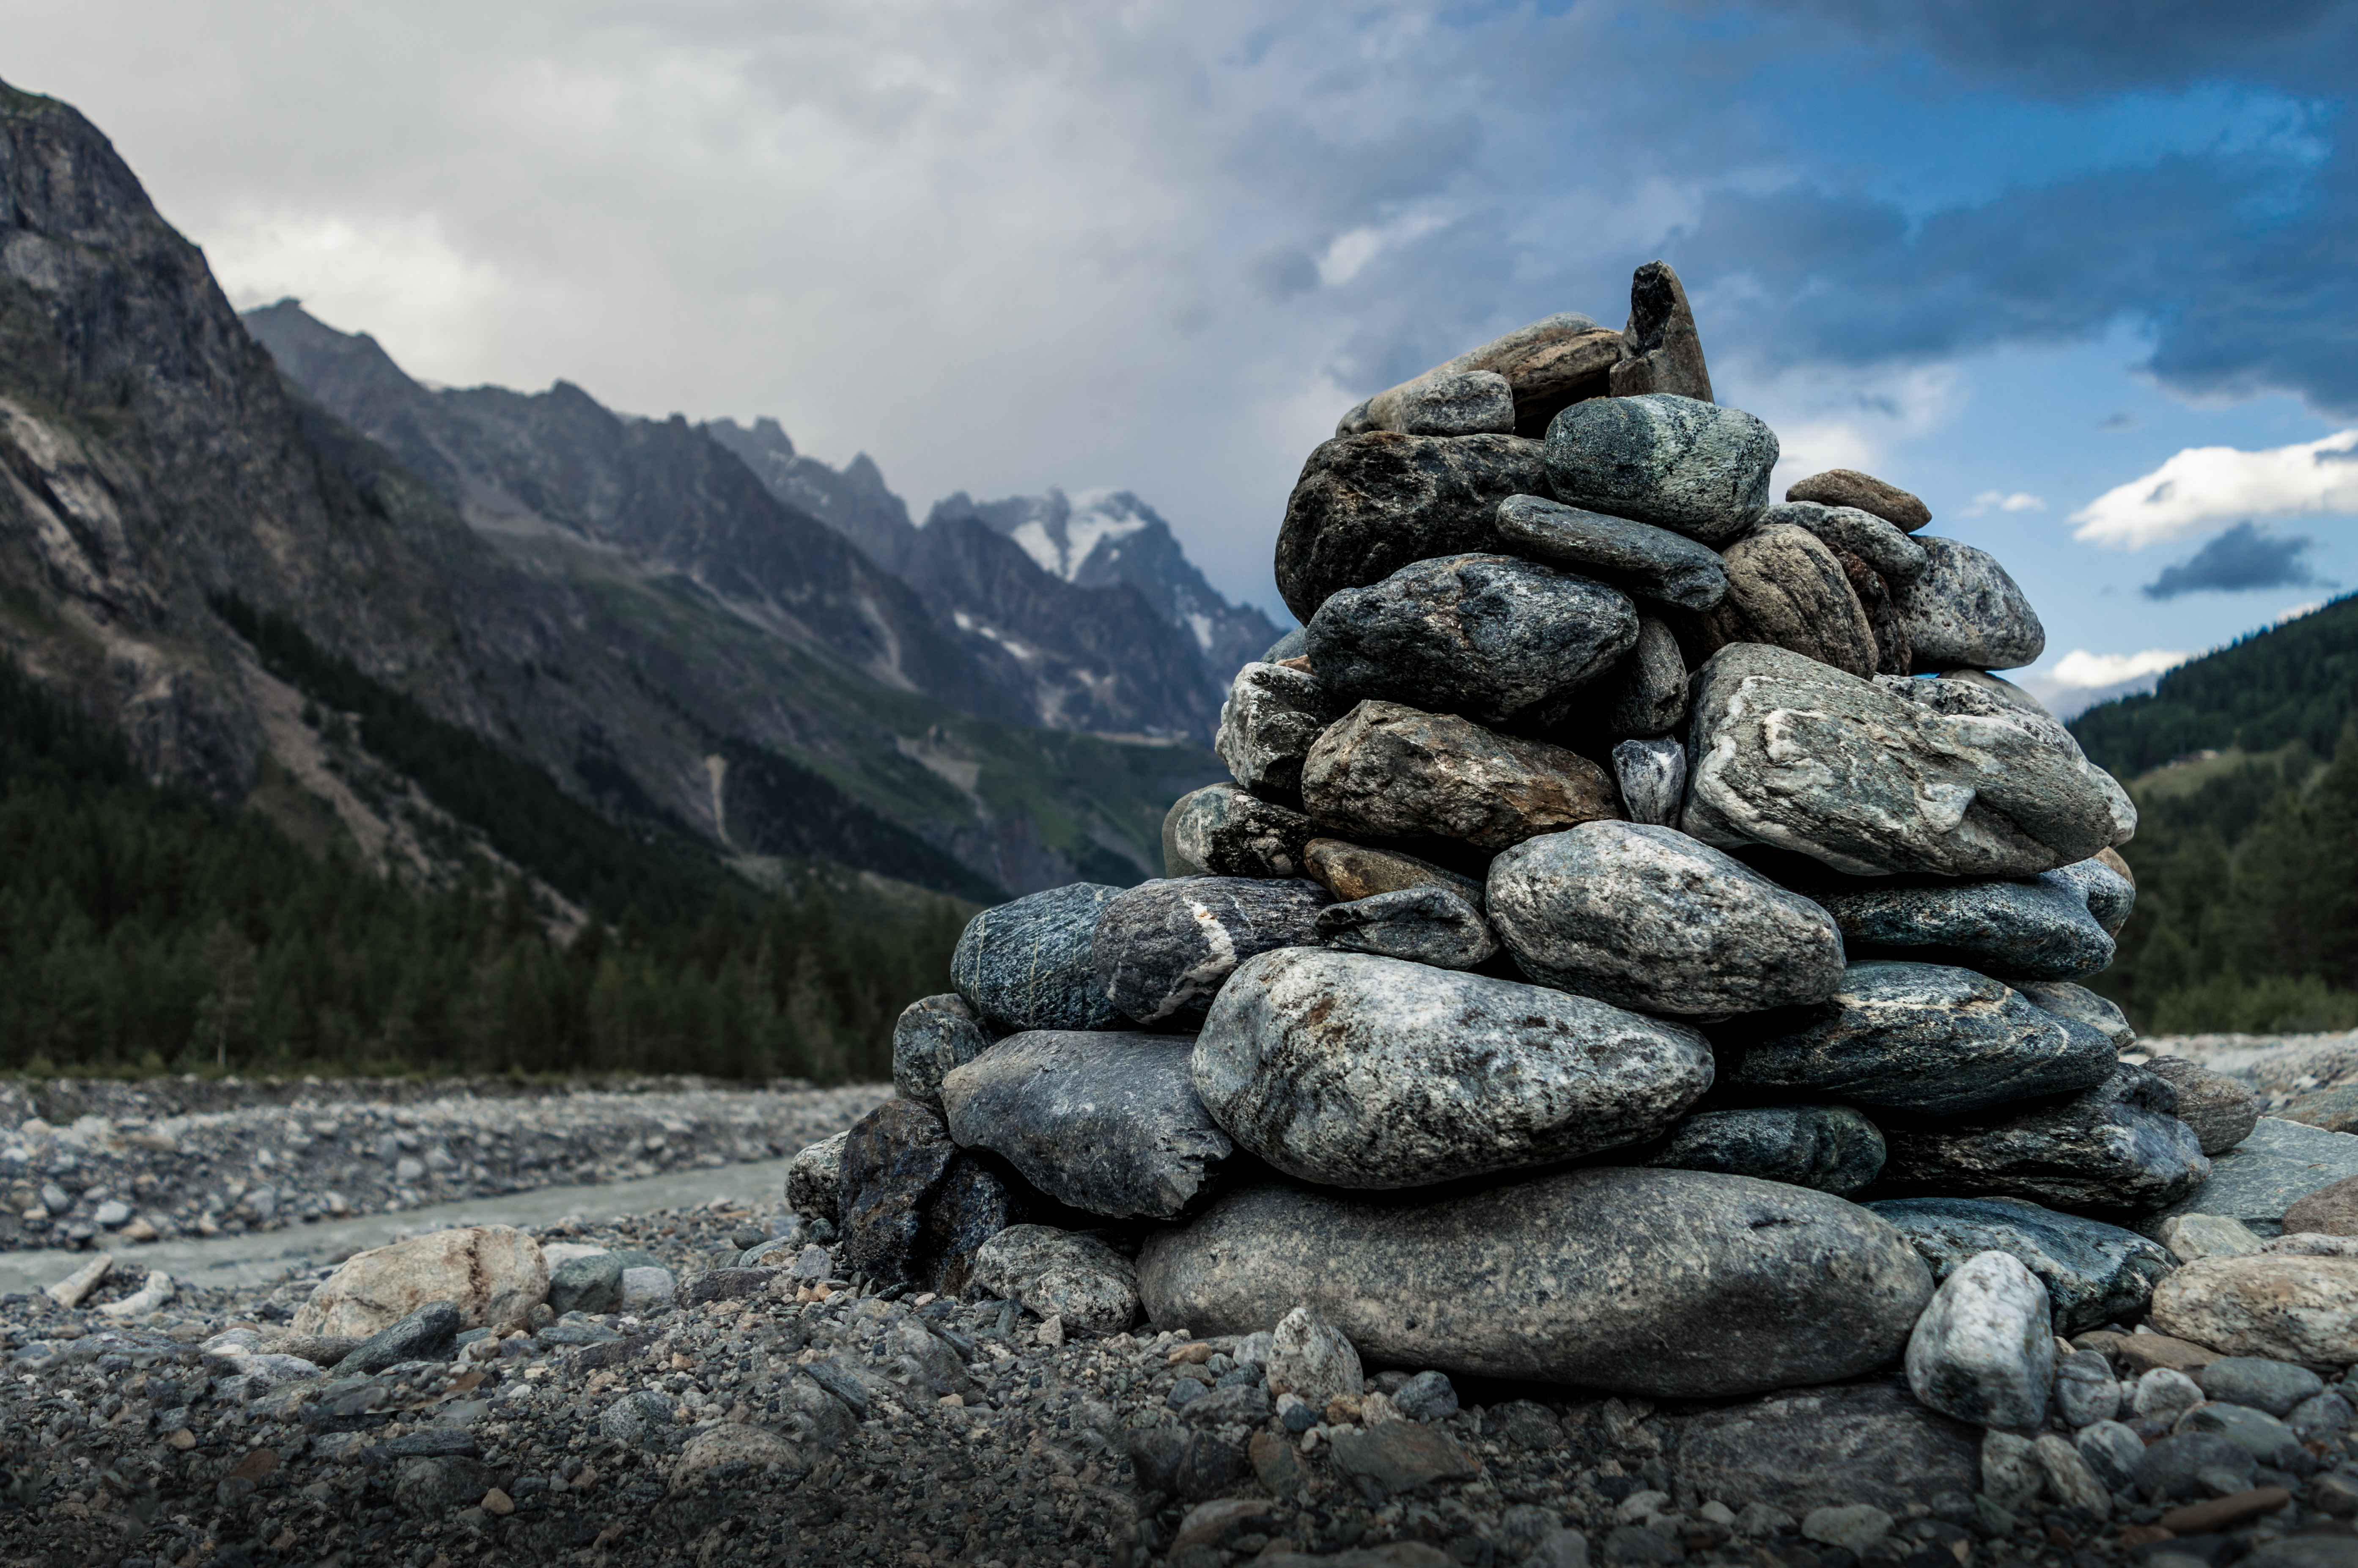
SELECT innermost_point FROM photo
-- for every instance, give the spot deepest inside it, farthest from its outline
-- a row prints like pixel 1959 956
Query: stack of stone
pixel 1621 874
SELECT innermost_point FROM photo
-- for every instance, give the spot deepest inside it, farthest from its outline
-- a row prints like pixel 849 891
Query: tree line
pixel 145 927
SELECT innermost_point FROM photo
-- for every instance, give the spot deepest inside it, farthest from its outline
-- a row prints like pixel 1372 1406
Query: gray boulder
pixel 592 1284
pixel 1648 695
pixel 1387 771
pixel 1224 830
pixel 2222 1111
pixel 2094 1272
pixel 1647 917
pixel 1430 925
pixel 1162 949
pixel 1498 639
pixel 1662 1283
pixel 1469 403
pixel 1330 1068
pixel 2108 895
pixel 933 1035
pixel 2081 1005
pixel 1787 589
pixel 1659 348
pixel 1963 610
pixel 1830 1147
pixel 1848 487
pixel 1272 715
pixel 1061 1273
pixel 1925 1038
pixel 1638 558
pixel 1107 1122
pixel 1026 965
pixel 2117 1146
pixel 1850 530
pixel 815 1179
pixel 1367 505
pixel 1790 752
pixel 2276 1166
pixel 1691 466
pixel 1653 779
pixel 894 1159
pixel 1814 1448
pixel 1984 1350
pixel 1975 694
pixel 2037 929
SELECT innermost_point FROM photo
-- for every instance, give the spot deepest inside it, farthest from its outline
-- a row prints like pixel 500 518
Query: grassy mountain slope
pixel 2246 858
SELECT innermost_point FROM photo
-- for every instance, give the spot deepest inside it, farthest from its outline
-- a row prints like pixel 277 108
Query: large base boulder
pixel 1664 1283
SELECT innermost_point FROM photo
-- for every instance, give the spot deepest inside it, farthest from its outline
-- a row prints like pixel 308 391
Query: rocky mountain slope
pixel 619 603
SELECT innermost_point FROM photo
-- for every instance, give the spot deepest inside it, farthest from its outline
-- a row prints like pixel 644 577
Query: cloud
pixel 2081 668
pixel 2204 486
pixel 2000 501
pixel 2242 557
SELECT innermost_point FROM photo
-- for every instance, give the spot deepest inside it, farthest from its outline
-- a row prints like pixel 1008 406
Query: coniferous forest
pixel 146 928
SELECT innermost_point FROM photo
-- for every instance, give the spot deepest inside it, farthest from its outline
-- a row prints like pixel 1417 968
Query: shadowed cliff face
pixel 628 606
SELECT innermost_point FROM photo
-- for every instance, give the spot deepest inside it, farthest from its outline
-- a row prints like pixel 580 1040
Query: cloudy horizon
pixel 2079 279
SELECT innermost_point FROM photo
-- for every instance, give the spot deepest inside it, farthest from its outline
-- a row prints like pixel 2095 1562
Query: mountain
pixel 1102 538
pixel 852 500
pixel 446 630
pixel 2243 764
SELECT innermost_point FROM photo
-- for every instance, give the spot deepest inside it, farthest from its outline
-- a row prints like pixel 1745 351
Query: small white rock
pixel 2162 1394
pixel 1855 1528
pixel 2011 1473
pixel 1984 1350
pixel 1639 1505
pixel 2069 1479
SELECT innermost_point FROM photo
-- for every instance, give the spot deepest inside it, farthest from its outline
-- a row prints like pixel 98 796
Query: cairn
pixel 1637 948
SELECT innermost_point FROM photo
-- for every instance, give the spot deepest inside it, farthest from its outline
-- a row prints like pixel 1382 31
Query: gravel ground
pixel 797 1417
pixel 85 1164
pixel 2279 1069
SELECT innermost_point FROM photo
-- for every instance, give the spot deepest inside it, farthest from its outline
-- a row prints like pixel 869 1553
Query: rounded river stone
pixel 1225 830
pixel 2222 1111
pixel 1367 505
pixel 1793 754
pixel 1925 1038
pixel 1499 640
pixel 1026 964
pixel 1787 589
pixel 933 1035
pixel 1694 467
pixel 1668 1284
pixel 1430 924
pixel 1648 692
pixel 2035 930
pixel 1361 1071
pixel 1162 949
pixel 1963 610
pixel 1351 872
pixel 1889 551
pixel 1848 487
pixel 1647 917
pixel 1642 560
pixel 2116 1146
pixel 1387 771
pixel 1830 1147
pixel 2094 1272
pixel 1103 1120
pixel 1272 715
pixel 1653 779
pixel 2065 1000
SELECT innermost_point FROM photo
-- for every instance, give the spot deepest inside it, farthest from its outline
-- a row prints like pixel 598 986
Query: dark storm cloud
pixel 2240 559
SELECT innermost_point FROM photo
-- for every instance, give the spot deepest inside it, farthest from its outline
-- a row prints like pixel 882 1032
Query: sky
pixel 2080 277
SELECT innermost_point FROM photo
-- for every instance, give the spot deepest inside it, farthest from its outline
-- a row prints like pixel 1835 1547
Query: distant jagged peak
pixel 1061 531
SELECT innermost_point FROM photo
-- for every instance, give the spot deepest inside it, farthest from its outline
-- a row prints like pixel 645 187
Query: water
pixel 267 1257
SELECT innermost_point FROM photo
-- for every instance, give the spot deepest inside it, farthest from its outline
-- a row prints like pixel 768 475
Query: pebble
pixel 2274 1387
pixel 1853 1529
pixel 1653 779
pixel 1984 1350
